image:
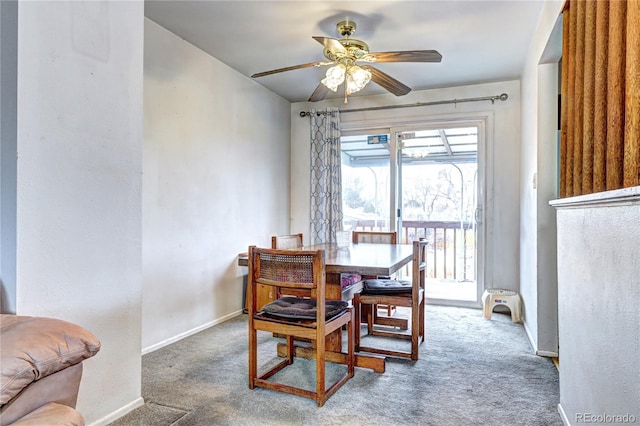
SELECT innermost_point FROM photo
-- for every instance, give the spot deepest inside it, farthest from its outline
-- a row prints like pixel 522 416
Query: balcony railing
pixel 451 247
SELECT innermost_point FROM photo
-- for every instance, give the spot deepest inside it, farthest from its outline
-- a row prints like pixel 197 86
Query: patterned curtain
pixel 326 176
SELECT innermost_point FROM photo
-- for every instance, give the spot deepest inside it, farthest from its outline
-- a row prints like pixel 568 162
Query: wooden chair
pixel 311 318
pixel 399 293
pixel 376 237
pixel 290 241
pixel 287 241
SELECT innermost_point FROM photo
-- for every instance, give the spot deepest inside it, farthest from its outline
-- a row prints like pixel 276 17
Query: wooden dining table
pixel 362 259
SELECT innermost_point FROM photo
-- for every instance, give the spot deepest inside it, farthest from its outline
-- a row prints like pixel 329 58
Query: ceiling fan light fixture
pixel 334 77
pixel 344 53
pixel 357 78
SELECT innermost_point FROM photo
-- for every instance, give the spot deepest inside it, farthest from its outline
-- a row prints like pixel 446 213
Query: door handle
pixel 478 216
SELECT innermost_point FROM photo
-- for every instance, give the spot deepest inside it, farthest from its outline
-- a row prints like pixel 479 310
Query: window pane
pixel 365 183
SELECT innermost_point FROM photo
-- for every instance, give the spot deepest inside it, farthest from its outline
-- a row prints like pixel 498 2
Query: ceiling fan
pixel 345 55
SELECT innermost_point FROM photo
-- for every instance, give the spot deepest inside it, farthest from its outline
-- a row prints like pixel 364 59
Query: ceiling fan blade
pixel 331 43
pixel 319 94
pixel 407 56
pixel 386 81
pixel 295 67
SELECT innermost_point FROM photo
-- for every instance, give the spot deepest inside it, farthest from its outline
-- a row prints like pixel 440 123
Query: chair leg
pixel 351 331
pixel 422 316
pixel 253 354
pixel 357 320
pixel 415 331
pixel 371 317
pixel 291 349
pixel 320 370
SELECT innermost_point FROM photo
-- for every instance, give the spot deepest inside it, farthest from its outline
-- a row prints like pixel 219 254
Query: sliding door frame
pixel 484 122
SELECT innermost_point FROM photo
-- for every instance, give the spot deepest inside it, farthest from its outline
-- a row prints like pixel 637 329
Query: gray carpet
pixel 471 372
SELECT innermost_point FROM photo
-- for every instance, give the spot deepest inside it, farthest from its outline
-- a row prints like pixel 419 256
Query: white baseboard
pixel 547 354
pixel 563 415
pixel 534 346
pixel 188 333
pixel 532 342
pixel 138 402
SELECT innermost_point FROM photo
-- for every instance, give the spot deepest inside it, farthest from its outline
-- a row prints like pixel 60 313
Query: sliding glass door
pixel 422 181
pixel 439 182
pixel 367 181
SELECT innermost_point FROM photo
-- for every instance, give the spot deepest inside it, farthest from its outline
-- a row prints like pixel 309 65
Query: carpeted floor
pixel 471 372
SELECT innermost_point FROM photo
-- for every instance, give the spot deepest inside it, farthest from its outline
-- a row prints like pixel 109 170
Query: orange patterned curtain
pixel 600 92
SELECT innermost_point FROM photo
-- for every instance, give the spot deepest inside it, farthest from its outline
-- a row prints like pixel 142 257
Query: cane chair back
pixel 303 318
pixel 374 237
pixel 290 241
pixel 286 241
pixel 408 294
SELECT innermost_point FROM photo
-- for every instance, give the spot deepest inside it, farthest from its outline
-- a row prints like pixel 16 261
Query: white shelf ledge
pixel 624 196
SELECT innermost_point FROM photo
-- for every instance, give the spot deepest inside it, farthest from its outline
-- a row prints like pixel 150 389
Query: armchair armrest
pixel 36 347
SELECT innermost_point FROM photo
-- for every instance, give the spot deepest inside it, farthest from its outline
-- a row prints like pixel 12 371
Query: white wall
pixel 216 179
pixel 137 271
pixel 8 152
pixel 79 181
pixel 502 156
pixel 538 183
pixel 599 314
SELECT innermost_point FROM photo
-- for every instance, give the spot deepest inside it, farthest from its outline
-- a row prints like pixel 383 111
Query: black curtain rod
pixel 493 99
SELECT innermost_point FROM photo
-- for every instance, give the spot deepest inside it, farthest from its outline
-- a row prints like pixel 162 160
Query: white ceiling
pixel 480 41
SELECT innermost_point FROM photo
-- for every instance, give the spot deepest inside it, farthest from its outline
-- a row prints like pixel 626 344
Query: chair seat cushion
pixel 386 286
pixel 301 308
pixel 348 280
